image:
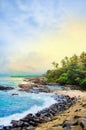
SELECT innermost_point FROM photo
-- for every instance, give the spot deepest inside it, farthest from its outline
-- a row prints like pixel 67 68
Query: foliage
pixel 72 71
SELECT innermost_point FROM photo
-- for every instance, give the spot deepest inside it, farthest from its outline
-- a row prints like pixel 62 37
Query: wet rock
pixel 31 121
pixel 19 123
pixel 1 127
pixel 14 94
pixel 7 127
pixel 18 128
pixel 2 88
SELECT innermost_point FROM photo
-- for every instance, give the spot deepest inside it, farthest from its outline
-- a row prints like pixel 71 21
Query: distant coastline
pixel 25 76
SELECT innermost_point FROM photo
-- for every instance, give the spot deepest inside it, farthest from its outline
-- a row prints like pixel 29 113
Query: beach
pixel 50 109
pixel 72 119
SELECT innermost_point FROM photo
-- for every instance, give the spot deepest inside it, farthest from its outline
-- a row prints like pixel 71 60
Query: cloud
pixel 33 33
pixel 32 62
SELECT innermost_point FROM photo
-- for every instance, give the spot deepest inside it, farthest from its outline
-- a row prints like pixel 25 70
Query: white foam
pixel 48 101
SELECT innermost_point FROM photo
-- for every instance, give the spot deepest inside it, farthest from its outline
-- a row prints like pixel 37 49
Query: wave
pixel 47 99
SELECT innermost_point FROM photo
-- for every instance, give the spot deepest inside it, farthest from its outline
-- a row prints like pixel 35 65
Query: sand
pixel 72 119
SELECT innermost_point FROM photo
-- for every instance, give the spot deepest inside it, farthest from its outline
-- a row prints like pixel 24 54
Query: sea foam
pixel 47 102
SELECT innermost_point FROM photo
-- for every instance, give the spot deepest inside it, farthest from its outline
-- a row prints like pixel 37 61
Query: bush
pixel 83 84
pixel 62 79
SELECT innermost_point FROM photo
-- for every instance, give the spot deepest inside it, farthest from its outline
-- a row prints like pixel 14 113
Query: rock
pixel 1 127
pixel 35 85
pixel 7 127
pixel 14 94
pixel 33 123
pixel 30 128
pixel 34 88
pixel 18 128
pixel 41 80
pixel 30 122
pixel 2 88
pixel 82 123
pixel 67 126
pixel 84 105
pixel 76 117
pixel 19 123
pixel 27 87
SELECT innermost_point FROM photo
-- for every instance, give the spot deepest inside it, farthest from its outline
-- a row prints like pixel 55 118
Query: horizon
pixel 35 33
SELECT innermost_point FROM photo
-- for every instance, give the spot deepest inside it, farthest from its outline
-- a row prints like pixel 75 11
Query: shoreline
pixel 42 116
pixel 48 115
pixel 72 119
pixel 5 121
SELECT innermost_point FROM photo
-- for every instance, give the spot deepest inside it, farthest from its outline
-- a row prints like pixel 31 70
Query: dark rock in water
pixel 2 88
pixel 1 127
pixel 7 127
pixel 14 94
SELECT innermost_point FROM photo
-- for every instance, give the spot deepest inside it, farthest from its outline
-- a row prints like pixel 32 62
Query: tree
pixel 55 64
pixel 72 71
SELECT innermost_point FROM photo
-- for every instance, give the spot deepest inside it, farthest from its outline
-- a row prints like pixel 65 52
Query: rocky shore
pixel 73 118
pixel 69 113
pixel 34 88
pixel 31 122
pixel 34 85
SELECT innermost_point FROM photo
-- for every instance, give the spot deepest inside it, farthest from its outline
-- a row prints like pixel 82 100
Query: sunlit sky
pixel 34 33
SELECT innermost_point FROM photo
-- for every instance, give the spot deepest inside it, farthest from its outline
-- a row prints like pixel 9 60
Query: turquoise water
pixel 10 82
pixel 14 107
pixel 12 104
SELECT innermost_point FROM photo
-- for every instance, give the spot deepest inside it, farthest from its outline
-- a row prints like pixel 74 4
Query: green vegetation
pixel 72 71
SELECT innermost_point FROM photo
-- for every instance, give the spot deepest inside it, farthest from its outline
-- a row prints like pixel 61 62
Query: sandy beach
pixel 72 93
pixel 72 119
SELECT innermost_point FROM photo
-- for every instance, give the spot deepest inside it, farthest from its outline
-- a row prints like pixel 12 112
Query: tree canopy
pixel 71 72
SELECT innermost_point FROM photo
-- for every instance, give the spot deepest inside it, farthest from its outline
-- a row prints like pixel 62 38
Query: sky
pixel 34 33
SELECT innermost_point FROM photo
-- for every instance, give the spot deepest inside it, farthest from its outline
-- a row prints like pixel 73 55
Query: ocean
pixel 15 104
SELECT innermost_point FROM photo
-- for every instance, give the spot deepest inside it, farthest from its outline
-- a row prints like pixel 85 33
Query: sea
pixel 15 104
